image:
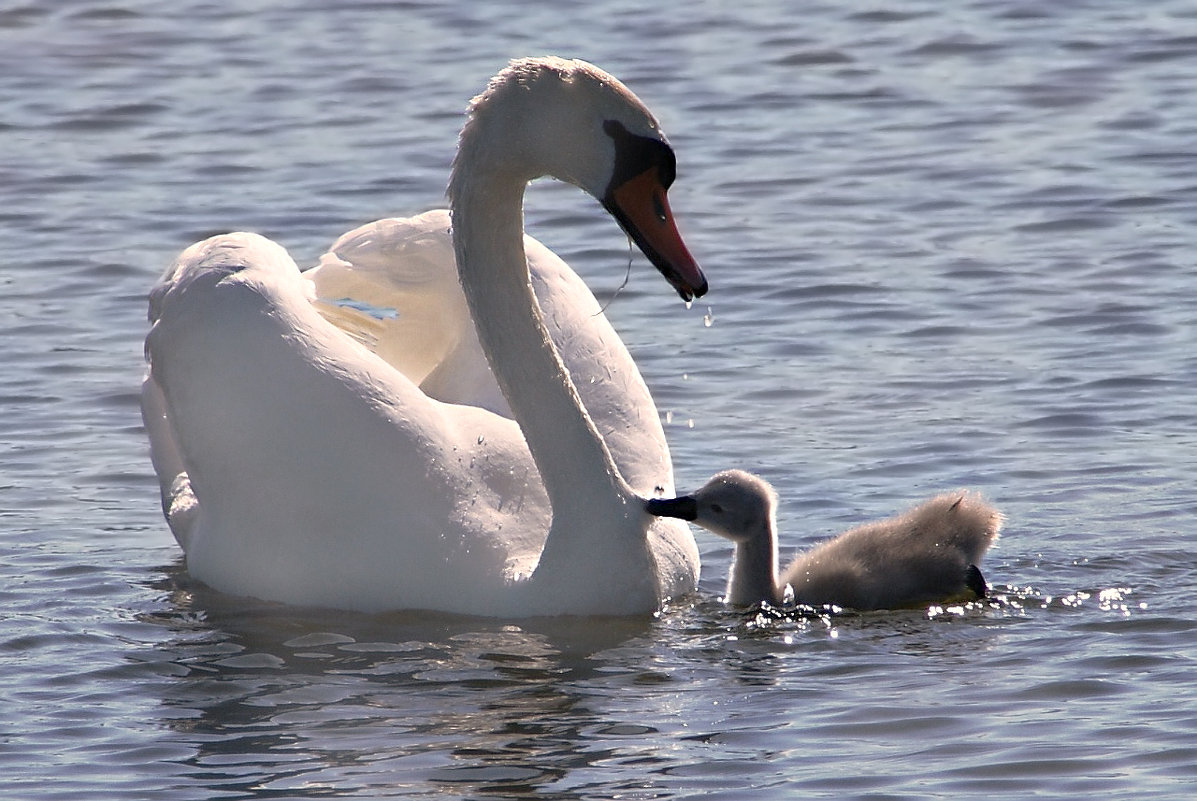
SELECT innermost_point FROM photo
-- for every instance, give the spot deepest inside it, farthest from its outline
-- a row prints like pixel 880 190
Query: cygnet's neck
pixel 753 575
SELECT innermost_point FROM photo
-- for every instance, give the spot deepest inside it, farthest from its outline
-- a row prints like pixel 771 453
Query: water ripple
pixel 946 247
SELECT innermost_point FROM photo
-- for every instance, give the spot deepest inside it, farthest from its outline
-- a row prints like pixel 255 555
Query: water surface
pixel 949 245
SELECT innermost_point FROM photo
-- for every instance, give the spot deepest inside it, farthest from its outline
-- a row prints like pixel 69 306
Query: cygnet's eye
pixel 716 508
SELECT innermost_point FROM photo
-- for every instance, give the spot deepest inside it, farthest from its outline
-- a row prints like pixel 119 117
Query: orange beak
pixel 642 208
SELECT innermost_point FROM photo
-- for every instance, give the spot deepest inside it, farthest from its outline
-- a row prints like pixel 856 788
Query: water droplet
pixel 668 417
pixel 709 318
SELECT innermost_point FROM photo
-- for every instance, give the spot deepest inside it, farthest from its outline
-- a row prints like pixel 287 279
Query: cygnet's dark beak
pixel 684 507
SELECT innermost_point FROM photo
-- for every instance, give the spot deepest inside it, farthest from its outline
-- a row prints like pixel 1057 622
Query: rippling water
pixel 949 245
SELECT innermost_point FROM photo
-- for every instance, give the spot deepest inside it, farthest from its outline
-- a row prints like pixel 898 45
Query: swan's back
pixel 405 303
pixel 919 557
pixel 305 450
pixel 391 284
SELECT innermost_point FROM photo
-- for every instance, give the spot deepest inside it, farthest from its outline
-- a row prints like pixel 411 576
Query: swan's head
pixel 733 504
pixel 570 120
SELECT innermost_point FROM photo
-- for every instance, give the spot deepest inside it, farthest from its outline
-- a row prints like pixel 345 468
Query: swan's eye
pixel 659 207
pixel 716 508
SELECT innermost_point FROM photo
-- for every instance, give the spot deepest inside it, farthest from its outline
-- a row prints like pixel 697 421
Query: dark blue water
pixel 948 245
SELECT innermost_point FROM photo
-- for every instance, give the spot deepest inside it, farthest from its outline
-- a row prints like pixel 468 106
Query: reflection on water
pixel 277 700
pixel 285 699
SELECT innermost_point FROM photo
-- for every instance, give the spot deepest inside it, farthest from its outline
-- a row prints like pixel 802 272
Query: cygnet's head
pixel 733 504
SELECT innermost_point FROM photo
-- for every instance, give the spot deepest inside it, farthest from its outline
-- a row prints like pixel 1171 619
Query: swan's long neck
pixel 565 444
pixel 596 555
pixel 754 572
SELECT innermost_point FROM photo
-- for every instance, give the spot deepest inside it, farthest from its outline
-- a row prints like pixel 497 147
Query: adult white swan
pixel 297 465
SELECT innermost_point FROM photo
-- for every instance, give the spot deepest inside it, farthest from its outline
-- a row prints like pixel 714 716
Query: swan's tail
pixel 955 529
pixel 961 520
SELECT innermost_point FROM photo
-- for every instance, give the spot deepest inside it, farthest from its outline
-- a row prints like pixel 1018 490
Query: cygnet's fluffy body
pixel 926 555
